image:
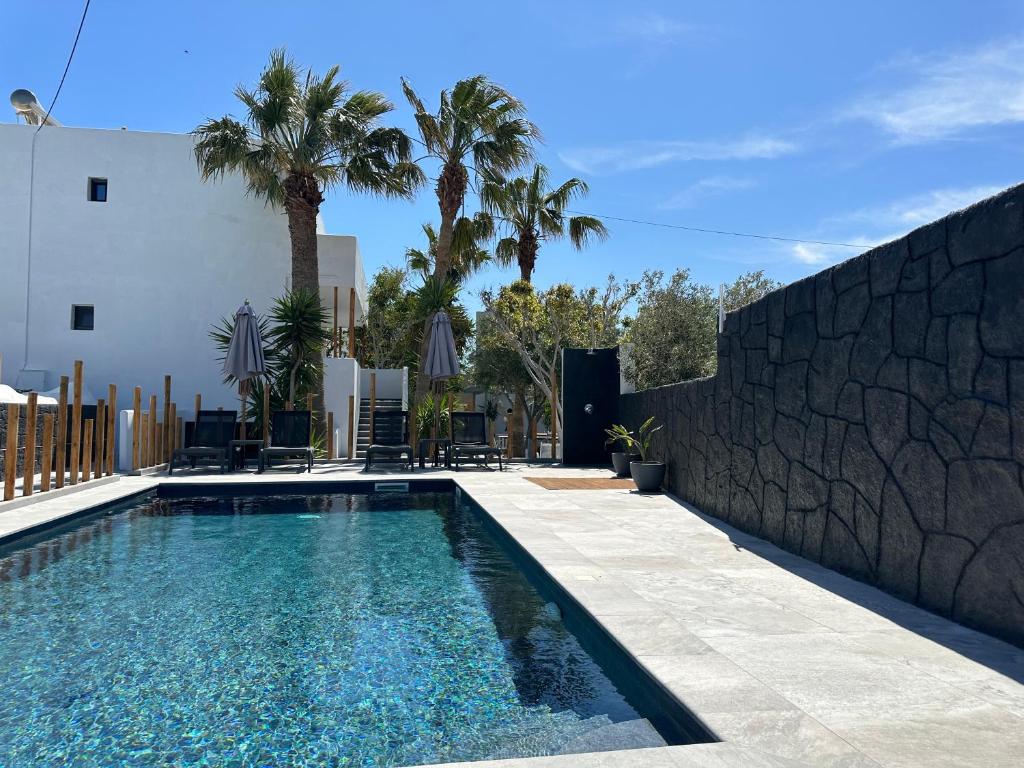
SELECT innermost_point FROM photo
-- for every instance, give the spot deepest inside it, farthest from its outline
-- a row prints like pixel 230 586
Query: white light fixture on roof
pixel 27 106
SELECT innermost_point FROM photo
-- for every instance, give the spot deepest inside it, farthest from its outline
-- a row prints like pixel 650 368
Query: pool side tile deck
pixel 787 662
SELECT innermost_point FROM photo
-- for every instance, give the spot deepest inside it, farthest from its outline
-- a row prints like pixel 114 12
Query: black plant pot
pixel 620 461
pixel 647 475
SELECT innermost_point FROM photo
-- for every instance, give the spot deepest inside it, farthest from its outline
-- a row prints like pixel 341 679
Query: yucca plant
pixel 425 414
pixel 298 336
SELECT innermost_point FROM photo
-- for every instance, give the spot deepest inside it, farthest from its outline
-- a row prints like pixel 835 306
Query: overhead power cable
pixel 722 231
pixel 67 66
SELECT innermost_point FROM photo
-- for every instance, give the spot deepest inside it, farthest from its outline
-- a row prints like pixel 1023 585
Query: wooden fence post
pixel 144 447
pixel 112 422
pixel 97 437
pixel 309 402
pixel 351 427
pixel 87 451
pixel 62 432
pixel 28 477
pixel 46 466
pixel 136 427
pixel 352 322
pixel 153 450
pixel 165 444
pixel 76 423
pixel 330 435
pixel 11 452
pixel 171 430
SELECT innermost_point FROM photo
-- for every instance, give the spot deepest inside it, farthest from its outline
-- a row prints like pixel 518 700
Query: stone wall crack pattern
pixel 871 418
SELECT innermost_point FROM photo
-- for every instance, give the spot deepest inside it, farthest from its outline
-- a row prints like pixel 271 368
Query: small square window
pixel 82 317
pixel 97 190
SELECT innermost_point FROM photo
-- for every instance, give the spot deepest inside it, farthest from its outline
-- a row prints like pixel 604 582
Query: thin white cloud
pixel 653 28
pixel 916 210
pixel 641 155
pixel 712 186
pixel 948 96
pixel 811 254
pixel 882 223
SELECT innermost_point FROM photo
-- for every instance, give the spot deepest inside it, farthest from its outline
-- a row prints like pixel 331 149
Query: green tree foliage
pixel 537 325
pixel 673 336
pixel 396 316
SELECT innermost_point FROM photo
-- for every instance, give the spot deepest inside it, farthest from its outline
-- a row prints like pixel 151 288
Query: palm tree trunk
pixel 443 250
pixel 451 192
pixel 302 203
pixel 527 255
pixel 302 207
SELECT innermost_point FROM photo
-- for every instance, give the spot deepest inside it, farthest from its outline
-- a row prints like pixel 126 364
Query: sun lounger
pixel 390 438
pixel 290 438
pixel 469 440
pixel 213 432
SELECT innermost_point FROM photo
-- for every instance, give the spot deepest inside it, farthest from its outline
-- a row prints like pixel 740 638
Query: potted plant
pixel 648 475
pixel 621 459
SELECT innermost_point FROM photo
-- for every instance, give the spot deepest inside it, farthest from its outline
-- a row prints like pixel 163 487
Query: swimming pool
pixel 302 630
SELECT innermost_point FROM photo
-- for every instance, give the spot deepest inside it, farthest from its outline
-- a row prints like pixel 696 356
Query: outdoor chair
pixel 211 438
pixel 469 440
pixel 390 438
pixel 290 438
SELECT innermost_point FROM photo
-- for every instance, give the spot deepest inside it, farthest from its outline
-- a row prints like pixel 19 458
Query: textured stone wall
pixel 871 418
pixel 42 409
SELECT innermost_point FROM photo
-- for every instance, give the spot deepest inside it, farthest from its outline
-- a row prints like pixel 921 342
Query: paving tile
pixel 791 734
pixel 654 636
pixel 710 683
pixel 982 736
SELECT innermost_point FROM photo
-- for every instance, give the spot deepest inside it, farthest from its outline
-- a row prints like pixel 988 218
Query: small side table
pixel 239 446
pixel 439 443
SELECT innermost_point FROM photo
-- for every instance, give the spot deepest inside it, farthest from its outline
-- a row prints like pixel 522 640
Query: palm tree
pixel 534 213
pixel 479 129
pixel 468 256
pixel 302 136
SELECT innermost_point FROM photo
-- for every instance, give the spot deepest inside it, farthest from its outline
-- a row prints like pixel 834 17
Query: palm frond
pixel 584 229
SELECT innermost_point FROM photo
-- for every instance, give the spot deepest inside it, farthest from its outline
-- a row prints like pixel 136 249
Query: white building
pixel 114 251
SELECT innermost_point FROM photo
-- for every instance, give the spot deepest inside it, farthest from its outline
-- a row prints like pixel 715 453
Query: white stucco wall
pixel 341 379
pixel 161 261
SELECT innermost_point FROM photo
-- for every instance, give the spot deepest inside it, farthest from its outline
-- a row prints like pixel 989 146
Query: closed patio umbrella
pixel 442 358
pixel 244 359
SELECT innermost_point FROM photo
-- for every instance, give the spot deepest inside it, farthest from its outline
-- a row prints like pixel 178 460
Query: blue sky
pixel 846 121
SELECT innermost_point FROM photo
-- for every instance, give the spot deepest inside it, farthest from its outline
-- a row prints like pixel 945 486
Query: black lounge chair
pixel 469 440
pixel 290 433
pixel 211 438
pixel 390 438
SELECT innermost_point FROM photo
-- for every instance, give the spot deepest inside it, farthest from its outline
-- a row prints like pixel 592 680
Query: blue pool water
pixel 333 630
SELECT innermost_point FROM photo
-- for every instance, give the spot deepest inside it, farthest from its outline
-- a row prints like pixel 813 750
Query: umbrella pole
pixel 243 394
pixel 437 412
